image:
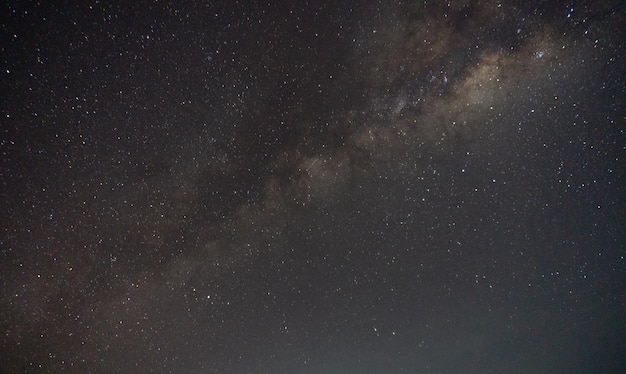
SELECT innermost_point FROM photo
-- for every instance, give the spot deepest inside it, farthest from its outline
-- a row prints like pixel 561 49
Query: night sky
pixel 313 187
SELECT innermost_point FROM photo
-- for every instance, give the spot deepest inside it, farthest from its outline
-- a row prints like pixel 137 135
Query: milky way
pixel 313 188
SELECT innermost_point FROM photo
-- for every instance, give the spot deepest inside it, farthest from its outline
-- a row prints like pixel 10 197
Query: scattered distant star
pixel 370 187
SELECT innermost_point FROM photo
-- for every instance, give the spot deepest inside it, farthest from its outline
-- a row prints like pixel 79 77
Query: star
pixel 312 188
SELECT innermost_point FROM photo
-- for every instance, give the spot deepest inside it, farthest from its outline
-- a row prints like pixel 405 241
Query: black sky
pixel 315 187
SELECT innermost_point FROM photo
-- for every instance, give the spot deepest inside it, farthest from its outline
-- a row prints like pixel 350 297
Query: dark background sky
pixel 312 187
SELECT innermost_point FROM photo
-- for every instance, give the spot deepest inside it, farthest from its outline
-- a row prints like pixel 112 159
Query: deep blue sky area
pixel 316 187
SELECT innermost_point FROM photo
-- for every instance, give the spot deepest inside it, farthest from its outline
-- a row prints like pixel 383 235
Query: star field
pixel 312 187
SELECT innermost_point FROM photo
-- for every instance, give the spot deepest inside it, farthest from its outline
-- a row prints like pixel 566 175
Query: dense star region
pixel 310 187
